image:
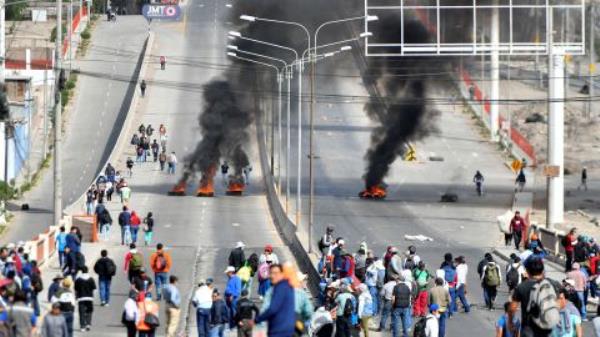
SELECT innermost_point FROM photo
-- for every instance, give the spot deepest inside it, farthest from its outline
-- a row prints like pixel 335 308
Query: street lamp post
pixel 313 104
pixel 288 77
pixel 299 181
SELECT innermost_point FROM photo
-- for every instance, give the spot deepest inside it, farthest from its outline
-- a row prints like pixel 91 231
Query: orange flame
pixel 373 192
pixel 178 189
pixel 206 188
pixel 236 185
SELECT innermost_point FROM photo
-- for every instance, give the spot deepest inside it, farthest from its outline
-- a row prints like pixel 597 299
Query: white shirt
pixel 388 290
pixel 263 258
pixel 131 310
pixel 461 274
pixel 432 326
pixel 203 298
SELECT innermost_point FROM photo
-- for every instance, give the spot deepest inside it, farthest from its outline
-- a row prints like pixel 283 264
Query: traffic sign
pixel 516 165
pixel 163 12
pixel 551 171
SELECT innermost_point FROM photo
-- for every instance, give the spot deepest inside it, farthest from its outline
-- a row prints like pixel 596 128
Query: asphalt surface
pixel 198 232
pixel 91 126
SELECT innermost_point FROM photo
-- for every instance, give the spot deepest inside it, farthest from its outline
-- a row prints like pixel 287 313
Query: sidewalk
pixel 102 90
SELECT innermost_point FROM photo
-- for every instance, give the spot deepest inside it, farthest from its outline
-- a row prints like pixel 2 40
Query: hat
pixel 393 250
pixel 56 305
pixel 434 307
pixel 230 269
pixel 58 277
pixel 341 242
pixel 268 248
pixel 240 244
pixel 209 281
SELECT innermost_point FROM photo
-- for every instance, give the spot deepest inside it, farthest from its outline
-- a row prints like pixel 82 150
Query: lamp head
pixel 232 47
pixel 372 18
pixel 248 18
pixel 234 33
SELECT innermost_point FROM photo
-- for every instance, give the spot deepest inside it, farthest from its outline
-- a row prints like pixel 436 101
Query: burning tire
pixel 178 190
pixel 373 192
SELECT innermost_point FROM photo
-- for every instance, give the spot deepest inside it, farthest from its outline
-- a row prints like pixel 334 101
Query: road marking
pixel 229 5
pixel 235 224
pixel 475 154
pixel 168 226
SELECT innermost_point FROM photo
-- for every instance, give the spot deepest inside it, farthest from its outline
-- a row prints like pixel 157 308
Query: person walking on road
pixel 148 228
pixel 478 179
pixel 570 323
pixel 84 293
pixel 134 263
pixel 125 194
pixel 89 201
pixel 203 302
pixel 106 269
pixel 21 316
pixel 220 316
pixel 517 226
pixel 280 314
pixel 66 299
pixel 236 256
pixel 148 316
pixel 155 148
pixel 54 324
pixel 386 308
pixel 326 241
pixel 173 306
pixel 569 242
pixel 143 88
pixel 135 223
pixel 432 321
pixel 584 177
pixel 61 244
pixel 365 308
pixel 440 296
pixel 131 314
pixel 224 171
pixel 462 270
pixel 581 280
pixel 246 311
pixel 163 62
pixel 232 292
pixel 125 224
pixel 401 303
pixel 521 180
pixel 172 162
pixel 129 163
pixel 162 159
pixel 160 262
pixel 490 281
pixel 105 221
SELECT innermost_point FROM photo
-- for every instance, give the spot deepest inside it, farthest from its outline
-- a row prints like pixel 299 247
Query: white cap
pixel 240 244
pixel 341 242
pixel 230 269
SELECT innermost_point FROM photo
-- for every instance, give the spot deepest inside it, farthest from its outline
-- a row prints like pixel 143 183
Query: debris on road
pixel 420 237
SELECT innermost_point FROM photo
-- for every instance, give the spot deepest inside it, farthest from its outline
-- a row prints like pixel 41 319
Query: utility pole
pixel 495 75
pixel 592 69
pixel 58 120
pixel 70 32
pixel 45 137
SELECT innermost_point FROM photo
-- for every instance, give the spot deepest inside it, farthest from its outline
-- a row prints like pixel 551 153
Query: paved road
pixel 92 125
pixel 467 228
pixel 199 232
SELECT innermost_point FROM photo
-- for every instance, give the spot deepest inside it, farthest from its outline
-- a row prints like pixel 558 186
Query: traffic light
pixel 4 108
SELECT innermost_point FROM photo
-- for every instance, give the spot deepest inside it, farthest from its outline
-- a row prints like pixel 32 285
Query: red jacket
pixel 569 247
pixel 135 220
pixel 593 262
pixel 517 224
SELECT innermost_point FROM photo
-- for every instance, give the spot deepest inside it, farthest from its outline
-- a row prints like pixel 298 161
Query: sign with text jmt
pixel 163 12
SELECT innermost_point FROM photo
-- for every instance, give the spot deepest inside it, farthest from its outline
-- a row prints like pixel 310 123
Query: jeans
pixel 125 235
pixel 217 330
pixel 517 235
pixel 385 313
pixel 263 286
pixel 248 286
pixel 452 306
pixel 89 208
pixel 160 280
pixel 202 320
pixel 131 329
pixel 61 258
pixel 403 314
pixel 105 232
pixel 35 303
pixel 460 294
pixel 442 324
pixel 86 308
pixel 171 169
pixel 69 318
pixel 489 295
pixel 162 165
pixel 134 233
pixel 149 333
pixel 147 238
pixel 583 309
pixel 375 297
pixel 104 289
pixel 569 262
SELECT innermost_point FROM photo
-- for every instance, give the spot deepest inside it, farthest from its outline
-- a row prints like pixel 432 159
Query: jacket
pixel 66 299
pixel 54 326
pixel 134 220
pixel 219 314
pixel 124 218
pixel 23 318
pixel 234 287
pixel 103 268
pixel 280 314
pixel 246 309
pixel 167 258
pixel 440 296
pixel 84 288
pixel 237 258
pixel 72 241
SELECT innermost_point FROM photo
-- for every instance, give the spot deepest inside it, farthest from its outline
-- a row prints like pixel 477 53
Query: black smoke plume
pixel 224 127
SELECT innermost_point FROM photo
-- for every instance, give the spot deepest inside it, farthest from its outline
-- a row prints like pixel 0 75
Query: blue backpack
pixel 450 275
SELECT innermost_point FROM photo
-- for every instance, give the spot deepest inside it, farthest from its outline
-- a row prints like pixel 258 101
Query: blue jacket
pixel 219 314
pixel 73 243
pixel 280 314
pixel 234 287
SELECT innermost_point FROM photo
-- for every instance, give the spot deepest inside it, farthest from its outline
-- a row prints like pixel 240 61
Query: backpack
pixel 564 241
pixel 111 268
pixel 135 140
pixel 253 263
pixel 136 262
pixel 419 330
pixel 263 271
pixel 348 307
pixel 368 308
pixel 512 277
pixel 36 282
pixel 409 263
pixel 422 278
pixel 160 262
pixel 450 276
pixel 322 244
pixel 542 306
pixel 492 276
pixel 402 293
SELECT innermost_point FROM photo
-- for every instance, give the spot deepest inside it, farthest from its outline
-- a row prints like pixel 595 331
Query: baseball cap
pixel 229 269
pixel 433 307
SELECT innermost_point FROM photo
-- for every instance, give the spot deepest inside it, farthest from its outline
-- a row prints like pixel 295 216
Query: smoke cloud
pixel 224 127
